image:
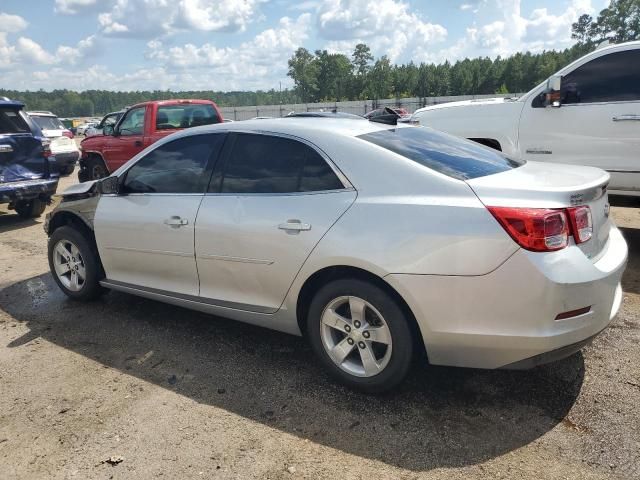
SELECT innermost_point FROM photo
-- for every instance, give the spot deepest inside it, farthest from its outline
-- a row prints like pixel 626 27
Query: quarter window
pixel 175 167
pixel 611 78
pixel 133 123
pixel 271 164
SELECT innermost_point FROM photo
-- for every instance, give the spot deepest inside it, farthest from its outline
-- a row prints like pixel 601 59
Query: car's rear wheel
pixel 360 334
pixel 74 264
pixel 30 208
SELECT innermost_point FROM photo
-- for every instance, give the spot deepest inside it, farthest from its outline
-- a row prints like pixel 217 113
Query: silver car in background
pixel 371 240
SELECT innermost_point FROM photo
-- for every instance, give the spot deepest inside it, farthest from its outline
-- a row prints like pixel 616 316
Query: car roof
pixel 299 126
pixel 11 103
pixel 41 114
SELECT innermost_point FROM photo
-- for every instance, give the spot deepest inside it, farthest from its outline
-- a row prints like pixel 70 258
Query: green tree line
pixel 324 76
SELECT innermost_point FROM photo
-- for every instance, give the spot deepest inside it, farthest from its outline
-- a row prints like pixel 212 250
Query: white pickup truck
pixel 586 114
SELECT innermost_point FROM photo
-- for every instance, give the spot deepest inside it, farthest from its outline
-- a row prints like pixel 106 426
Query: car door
pixel 270 201
pixel 145 233
pixel 127 140
pixel 598 122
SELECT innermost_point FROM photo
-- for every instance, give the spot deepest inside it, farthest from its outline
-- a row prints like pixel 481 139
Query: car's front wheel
pixel 360 334
pixel 74 264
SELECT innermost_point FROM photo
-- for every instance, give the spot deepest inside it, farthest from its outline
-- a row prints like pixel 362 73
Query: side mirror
pixel 109 185
pixel 552 92
pixel 108 130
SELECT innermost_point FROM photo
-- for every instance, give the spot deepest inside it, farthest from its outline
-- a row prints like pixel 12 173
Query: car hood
pixel 466 103
pixel 78 188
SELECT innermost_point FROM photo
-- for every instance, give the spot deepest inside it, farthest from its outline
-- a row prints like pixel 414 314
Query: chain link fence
pixel 357 107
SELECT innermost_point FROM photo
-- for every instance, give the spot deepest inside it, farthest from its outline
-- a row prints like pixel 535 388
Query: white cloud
pixel 513 33
pixel 466 6
pixel 152 18
pixel 72 7
pixel 11 23
pixel 29 51
pixel 387 26
pixel 258 63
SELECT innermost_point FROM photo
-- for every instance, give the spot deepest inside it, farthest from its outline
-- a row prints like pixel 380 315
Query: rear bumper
pixel 27 190
pixel 508 317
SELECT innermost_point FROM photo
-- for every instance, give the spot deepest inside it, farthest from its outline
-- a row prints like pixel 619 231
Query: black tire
pixel 95 168
pixel 90 288
pixel 68 170
pixel 401 334
pixel 30 208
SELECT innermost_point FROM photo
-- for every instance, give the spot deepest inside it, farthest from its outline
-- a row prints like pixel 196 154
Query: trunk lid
pixel 551 185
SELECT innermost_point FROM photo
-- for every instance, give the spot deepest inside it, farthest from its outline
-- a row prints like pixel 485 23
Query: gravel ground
pixel 129 388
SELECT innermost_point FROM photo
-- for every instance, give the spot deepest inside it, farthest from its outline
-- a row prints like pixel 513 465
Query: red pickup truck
pixel 141 125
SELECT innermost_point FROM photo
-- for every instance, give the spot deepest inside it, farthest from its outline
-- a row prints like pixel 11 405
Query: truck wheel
pixel 68 170
pixel 95 169
pixel 30 208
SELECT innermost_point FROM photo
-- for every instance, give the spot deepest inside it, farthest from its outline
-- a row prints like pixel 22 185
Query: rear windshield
pixel 48 123
pixel 444 153
pixel 185 116
pixel 12 122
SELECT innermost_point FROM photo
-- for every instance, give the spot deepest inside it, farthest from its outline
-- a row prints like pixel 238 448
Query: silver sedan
pixel 374 241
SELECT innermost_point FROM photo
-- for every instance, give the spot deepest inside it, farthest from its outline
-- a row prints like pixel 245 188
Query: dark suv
pixel 28 173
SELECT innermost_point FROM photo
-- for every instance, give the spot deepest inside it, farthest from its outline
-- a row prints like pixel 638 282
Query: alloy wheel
pixel 356 336
pixel 69 265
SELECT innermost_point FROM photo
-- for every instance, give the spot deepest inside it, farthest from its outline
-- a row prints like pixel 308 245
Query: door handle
pixel 138 143
pixel 627 118
pixel 294 226
pixel 6 149
pixel 176 221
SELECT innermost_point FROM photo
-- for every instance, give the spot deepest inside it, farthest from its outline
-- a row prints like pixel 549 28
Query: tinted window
pixel 48 123
pixel 133 123
pixel 446 154
pixel 175 167
pixel 185 116
pixel 12 122
pixel 611 78
pixel 269 164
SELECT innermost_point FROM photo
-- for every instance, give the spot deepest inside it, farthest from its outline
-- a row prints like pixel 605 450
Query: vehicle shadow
pixel 440 417
pixel 631 277
pixel 10 221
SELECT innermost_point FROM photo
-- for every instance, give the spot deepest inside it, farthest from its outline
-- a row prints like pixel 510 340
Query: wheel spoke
pixel 334 320
pixel 379 334
pixel 369 362
pixel 75 252
pixel 63 252
pixel 62 268
pixel 341 351
pixel 357 306
pixel 81 272
pixel 74 280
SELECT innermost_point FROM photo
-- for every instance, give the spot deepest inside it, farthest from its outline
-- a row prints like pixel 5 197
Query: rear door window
pixel 444 153
pixel 169 117
pixel 12 122
pixel 48 123
pixel 262 163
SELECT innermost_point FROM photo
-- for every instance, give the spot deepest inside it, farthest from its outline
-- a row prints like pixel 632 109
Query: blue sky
pixel 245 44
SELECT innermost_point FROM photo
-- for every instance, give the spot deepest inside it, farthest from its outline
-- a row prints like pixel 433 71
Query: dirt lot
pixel 130 388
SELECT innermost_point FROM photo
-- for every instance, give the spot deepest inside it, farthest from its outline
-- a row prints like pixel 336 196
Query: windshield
pixel 12 122
pixel 444 153
pixel 48 123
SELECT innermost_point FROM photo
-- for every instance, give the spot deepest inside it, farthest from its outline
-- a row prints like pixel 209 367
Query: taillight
pixel 46 147
pixel 535 229
pixel 67 133
pixel 581 223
